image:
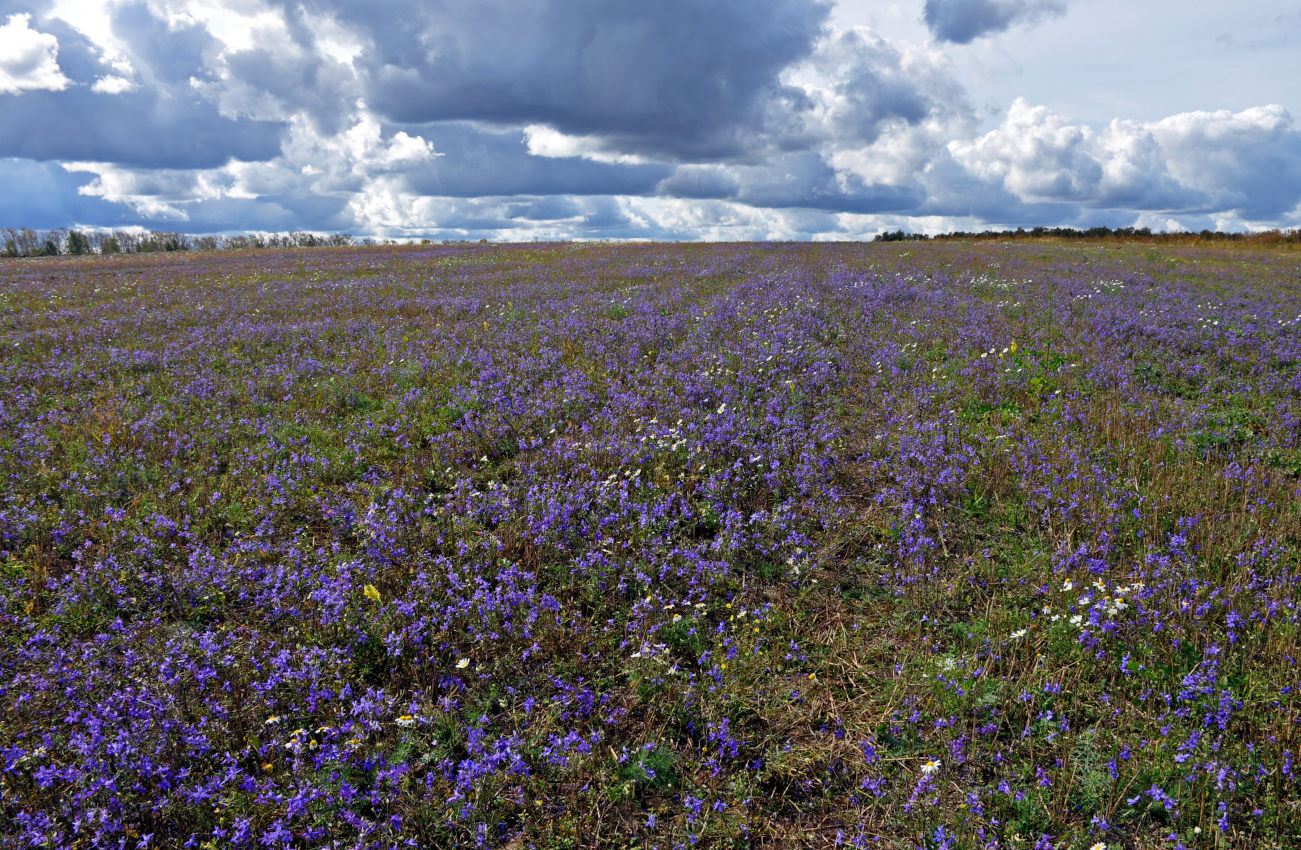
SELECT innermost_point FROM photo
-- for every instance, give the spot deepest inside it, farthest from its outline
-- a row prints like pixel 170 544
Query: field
pixel 937 545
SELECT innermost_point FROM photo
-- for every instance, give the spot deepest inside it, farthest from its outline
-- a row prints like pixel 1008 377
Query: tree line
pixel 1125 234
pixel 25 242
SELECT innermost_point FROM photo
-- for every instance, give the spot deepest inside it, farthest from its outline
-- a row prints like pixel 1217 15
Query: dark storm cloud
pixel 963 21
pixel 483 161
pixel 681 79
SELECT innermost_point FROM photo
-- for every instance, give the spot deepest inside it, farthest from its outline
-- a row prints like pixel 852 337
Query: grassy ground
pixel 932 545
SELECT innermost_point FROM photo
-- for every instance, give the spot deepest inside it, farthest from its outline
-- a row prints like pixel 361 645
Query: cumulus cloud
pixel 867 85
pixel 1248 161
pixel 963 21
pixel 29 60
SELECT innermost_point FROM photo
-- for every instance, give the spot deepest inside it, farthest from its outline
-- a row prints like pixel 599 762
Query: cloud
pixel 798 179
pixel 963 21
pixel 1037 155
pixel 677 79
pixel 136 128
pixel 870 86
pixel 1248 161
pixel 237 197
pixel 480 160
pixel 165 121
pixel 566 118
pixel 860 94
pixel 29 60
pixel 44 195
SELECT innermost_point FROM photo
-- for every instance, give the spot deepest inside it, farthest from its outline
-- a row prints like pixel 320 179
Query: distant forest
pixel 25 242
pixel 1121 234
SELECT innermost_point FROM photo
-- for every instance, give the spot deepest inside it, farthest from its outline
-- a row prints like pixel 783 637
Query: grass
pixel 961 546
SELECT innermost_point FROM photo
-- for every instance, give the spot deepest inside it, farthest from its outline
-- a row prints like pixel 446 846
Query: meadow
pixel 947 545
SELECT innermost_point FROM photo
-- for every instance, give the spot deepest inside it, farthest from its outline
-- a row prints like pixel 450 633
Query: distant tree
pixel 76 243
pixel 28 243
pixel 49 248
pixel 128 242
pixel 11 247
pixel 899 236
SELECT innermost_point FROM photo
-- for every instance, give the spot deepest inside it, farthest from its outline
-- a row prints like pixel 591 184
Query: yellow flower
pixel 371 593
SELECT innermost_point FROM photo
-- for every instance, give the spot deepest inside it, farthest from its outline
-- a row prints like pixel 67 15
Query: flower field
pixel 905 546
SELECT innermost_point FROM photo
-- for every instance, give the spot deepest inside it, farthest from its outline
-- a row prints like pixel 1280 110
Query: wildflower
pixel 371 593
pixel 1099 846
pixel 1019 633
pixel 931 767
pixel 462 664
pixel 406 721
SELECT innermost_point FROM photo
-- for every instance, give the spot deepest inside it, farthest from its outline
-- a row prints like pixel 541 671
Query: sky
pixel 672 119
